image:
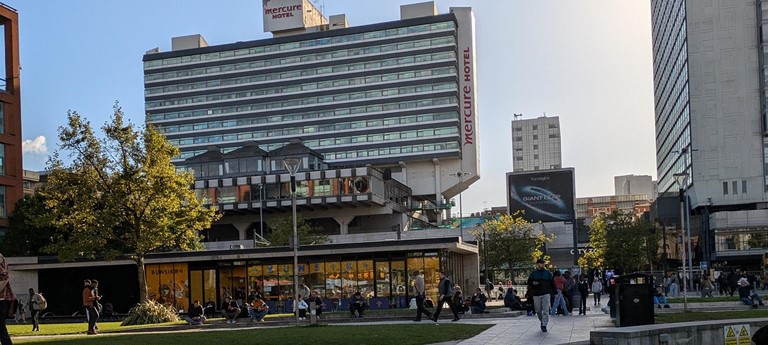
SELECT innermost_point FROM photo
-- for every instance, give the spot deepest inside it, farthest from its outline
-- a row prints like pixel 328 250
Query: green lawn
pixel 73 328
pixel 401 334
pixel 705 316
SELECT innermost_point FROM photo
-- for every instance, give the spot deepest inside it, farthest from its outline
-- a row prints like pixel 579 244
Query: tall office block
pixel 536 144
pixel 709 83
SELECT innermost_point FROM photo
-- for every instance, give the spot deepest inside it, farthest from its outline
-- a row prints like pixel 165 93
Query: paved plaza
pixel 525 330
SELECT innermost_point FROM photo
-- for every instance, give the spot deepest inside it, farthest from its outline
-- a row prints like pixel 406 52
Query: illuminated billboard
pixel 545 195
pixel 282 15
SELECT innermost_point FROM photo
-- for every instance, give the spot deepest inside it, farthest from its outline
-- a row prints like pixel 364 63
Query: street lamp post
pixel 681 178
pixel 292 165
pixel 261 216
pixel 460 175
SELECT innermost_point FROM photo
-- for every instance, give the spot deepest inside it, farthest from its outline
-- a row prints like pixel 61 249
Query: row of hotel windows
pixel 310 114
pixel 282 190
pixel 320 85
pixel 344 126
pixel 436 57
pixel 349 154
pixel 247 165
pixel 341 66
pixel 337 40
pixel 303 117
pixel 345 96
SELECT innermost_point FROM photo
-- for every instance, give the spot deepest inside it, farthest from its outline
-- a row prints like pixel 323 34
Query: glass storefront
pixel 384 276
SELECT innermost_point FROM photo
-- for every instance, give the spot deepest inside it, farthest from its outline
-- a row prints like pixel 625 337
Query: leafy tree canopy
pixel 120 195
pixel 28 228
pixel 511 241
pixel 621 242
pixel 282 232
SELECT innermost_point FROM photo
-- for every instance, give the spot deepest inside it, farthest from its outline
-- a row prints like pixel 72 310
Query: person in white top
pixel 597 290
pixel 419 293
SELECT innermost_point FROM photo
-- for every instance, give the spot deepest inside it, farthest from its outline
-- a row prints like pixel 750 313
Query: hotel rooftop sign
pixel 280 15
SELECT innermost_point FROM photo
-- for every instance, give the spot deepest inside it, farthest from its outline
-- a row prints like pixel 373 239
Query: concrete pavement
pixel 525 330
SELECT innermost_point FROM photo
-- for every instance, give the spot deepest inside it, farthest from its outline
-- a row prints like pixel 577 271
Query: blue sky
pixel 588 62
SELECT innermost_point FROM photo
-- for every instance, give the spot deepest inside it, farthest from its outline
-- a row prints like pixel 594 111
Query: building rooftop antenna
pixel 516 116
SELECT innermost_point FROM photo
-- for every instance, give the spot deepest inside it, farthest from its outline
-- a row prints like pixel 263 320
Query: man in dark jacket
pixel 540 284
pixel 195 315
pixel 445 292
pixel 584 292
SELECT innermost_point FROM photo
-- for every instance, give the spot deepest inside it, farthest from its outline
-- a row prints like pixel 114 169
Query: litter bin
pixel 635 300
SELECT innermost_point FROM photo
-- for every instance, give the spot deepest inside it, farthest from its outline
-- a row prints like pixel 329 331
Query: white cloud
pixel 36 146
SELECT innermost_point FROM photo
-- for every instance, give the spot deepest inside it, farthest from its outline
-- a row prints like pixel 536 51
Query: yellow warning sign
pixel 730 336
pixel 737 335
pixel 744 337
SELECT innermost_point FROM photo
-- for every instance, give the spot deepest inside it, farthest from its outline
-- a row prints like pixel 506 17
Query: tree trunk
pixel 142 279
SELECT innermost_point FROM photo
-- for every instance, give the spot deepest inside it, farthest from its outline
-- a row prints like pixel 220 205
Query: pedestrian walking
pixel 540 283
pixel 597 290
pixel 559 283
pixel 420 293
pixel 88 304
pixel 36 306
pixel 445 290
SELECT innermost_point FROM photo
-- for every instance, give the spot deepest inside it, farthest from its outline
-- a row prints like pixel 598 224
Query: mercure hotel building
pixel 383 121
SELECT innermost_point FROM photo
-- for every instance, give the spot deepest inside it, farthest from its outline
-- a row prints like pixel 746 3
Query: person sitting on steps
pixel 357 305
pixel 659 299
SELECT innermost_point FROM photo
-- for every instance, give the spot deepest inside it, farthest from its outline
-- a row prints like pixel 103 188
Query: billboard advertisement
pixel 543 196
pixel 282 15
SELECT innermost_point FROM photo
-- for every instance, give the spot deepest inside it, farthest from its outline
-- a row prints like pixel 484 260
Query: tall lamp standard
pixel 261 216
pixel 292 164
pixel 460 175
pixel 680 178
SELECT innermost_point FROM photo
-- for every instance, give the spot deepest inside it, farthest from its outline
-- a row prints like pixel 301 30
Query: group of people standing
pixel 556 292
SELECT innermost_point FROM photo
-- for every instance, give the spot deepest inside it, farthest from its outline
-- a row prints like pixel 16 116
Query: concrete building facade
pixel 536 144
pixel 635 184
pixel 398 96
pixel 709 83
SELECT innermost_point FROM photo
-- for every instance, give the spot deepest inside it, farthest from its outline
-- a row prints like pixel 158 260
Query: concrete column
pixel 438 187
pixel 405 172
pixel 344 223
pixel 241 228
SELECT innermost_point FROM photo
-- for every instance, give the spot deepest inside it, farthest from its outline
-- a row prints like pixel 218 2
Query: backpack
pixel 42 304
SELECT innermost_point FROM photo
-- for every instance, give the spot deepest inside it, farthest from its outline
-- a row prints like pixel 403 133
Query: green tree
pixel 510 241
pixel 28 230
pixel 595 256
pixel 282 232
pixel 621 242
pixel 120 195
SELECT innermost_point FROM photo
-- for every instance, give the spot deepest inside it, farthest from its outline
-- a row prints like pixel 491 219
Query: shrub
pixel 150 312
